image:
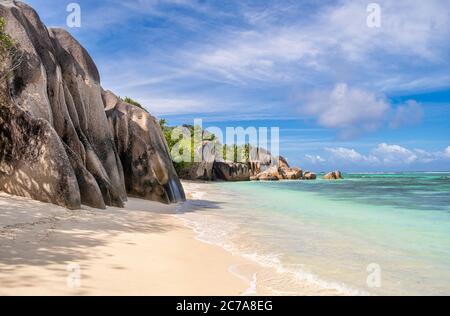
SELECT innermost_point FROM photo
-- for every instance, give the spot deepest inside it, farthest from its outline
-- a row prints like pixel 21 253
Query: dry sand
pixel 139 250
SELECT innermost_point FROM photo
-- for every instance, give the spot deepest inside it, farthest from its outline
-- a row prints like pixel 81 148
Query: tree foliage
pixel 9 52
pixel 6 42
pixel 232 153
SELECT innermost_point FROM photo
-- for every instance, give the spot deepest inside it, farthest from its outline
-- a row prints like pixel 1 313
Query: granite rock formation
pixel 231 171
pixel 148 168
pixel 282 171
pixel 334 175
pixel 308 175
pixel 57 144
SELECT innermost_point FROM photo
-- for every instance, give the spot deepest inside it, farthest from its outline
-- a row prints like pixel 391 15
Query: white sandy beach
pixel 142 249
pixel 139 250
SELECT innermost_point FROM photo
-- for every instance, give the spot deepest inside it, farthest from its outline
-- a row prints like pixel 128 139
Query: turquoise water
pixel 334 233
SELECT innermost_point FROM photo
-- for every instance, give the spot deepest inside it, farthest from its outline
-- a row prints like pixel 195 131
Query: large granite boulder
pixel 202 170
pixel 260 159
pixel 291 173
pixel 261 166
pixel 231 171
pixel 334 175
pixel 308 175
pixel 270 174
pixel 53 103
pixel 33 162
pixel 143 151
pixel 279 173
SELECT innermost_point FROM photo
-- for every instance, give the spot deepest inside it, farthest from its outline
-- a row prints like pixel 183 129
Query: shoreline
pixel 266 274
pixel 139 250
pixel 146 248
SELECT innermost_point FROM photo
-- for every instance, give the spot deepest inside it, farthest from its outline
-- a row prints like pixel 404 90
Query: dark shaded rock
pixel 33 162
pixel 309 175
pixel 90 192
pixel 231 171
pixel 148 168
pixel 198 171
pixel 83 85
pixel 282 163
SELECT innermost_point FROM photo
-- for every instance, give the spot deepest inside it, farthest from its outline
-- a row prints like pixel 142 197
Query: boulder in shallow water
pixel 271 174
pixel 308 175
pixel 334 175
pixel 291 173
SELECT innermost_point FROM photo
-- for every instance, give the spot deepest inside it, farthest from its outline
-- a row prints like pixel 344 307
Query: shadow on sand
pixel 40 234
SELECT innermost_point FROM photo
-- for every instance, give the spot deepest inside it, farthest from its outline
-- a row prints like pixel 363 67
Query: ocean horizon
pixel 334 235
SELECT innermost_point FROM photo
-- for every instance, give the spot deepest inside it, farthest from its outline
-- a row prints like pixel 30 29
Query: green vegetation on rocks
pixel 6 42
pixel 133 102
pixel 231 153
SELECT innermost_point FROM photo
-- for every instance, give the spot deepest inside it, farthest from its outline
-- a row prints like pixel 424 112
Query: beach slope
pixel 139 250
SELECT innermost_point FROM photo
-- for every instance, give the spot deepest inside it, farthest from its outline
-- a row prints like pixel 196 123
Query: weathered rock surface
pixel 202 170
pixel 260 160
pixel 334 175
pixel 291 173
pixel 309 176
pixel 261 166
pixel 33 162
pixel 57 144
pixel 270 174
pixel 281 172
pixel 148 168
pixel 231 171
pixel 213 167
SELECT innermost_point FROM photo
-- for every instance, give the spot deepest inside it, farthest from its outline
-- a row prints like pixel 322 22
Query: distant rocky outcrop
pixel 308 175
pixel 282 171
pixel 261 165
pixel 231 171
pixel 334 175
pixel 213 167
pixel 57 144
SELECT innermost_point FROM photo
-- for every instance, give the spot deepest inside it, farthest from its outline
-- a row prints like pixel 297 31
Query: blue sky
pixel 343 94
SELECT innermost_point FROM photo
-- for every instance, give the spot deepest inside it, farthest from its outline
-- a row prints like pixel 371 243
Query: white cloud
pixel 394 154
pixel 315 159
pixel 353 110
pixel 346 154
pixel 407 114
pixel 408 27
pixel 290 46
pixel 257 55
pixel 447 152
pixel 383 155
pixel 275 48
pixel 346 109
